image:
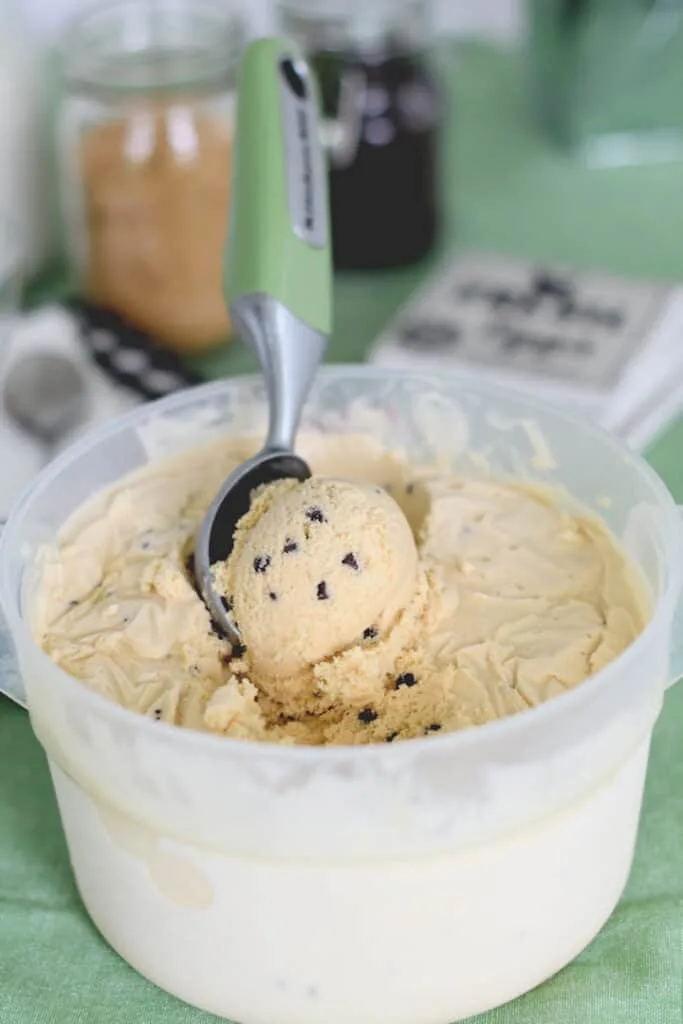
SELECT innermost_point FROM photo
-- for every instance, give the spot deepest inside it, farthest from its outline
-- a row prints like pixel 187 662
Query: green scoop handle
pixel 278 279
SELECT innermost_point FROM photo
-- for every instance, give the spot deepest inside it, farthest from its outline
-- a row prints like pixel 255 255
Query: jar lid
pixel 368 20
pixel 128 47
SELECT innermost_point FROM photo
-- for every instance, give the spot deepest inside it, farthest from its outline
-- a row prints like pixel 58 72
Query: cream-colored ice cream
pixel 329 597
pixel 317 567
pixel 414 602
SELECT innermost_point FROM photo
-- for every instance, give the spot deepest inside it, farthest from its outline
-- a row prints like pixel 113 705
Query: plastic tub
pixel 413 883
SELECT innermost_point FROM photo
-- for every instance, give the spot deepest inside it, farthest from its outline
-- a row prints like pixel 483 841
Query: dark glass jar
pixel 381 114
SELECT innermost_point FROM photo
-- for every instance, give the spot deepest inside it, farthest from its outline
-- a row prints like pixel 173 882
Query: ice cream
pixel 402 603
pixel 326 589
pixel 317 568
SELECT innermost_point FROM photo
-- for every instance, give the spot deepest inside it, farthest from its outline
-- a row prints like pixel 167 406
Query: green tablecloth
pixel 506 191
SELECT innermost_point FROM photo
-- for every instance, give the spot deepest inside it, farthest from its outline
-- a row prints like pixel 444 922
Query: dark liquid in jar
pixel 383 202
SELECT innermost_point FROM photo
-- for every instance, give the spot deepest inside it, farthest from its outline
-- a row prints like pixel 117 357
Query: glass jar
pixel 24 136
pixel 381 116
pixel 144 138
pixel 606 78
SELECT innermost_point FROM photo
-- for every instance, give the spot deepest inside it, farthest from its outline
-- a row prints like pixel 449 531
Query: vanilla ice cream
pixel 406 603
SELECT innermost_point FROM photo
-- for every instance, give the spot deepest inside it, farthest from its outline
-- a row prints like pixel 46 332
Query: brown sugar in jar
pixel 155 190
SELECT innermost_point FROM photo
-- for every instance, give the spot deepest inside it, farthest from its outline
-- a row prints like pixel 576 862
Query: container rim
pixel 193 739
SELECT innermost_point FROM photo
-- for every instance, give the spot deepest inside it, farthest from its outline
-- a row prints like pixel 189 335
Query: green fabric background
pixel 505 190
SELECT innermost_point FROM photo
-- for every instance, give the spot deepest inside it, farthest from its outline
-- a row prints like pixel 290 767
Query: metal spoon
pixel 278 277
pixel 45 394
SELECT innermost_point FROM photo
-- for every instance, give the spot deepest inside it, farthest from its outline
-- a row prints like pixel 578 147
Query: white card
pixel 606 343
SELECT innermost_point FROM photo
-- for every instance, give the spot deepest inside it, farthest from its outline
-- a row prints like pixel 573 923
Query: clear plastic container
pixel 411 883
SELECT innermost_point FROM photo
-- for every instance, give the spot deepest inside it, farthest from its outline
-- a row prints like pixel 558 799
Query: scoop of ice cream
pixel 316 568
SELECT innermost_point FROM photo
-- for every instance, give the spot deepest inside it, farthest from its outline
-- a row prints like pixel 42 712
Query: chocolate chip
pixel 410 488
pixel 73 604
pixel 321 591
pixel 391 737
pixel 157 714
pixel 315 514
pixel 351 561
pixel 238 650
pixel 261 563
pixel 290 546
pixel 367 715
pixel 405 679
pixel 434 727
pixel 370 633
pixel 272 595
pixel 189 566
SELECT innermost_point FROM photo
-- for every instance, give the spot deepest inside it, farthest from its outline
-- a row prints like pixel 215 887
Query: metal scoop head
pixel 215 538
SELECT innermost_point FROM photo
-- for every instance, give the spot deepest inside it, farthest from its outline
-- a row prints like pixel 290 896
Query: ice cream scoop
pixel 277 276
